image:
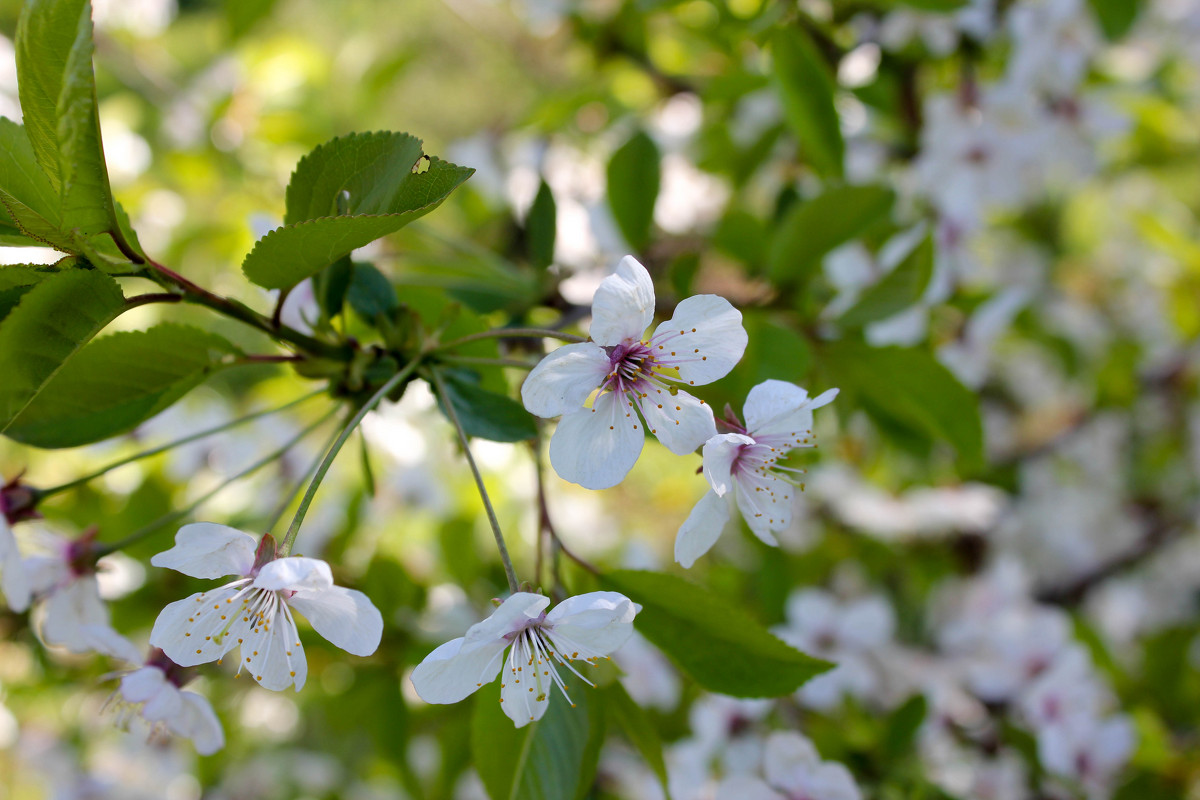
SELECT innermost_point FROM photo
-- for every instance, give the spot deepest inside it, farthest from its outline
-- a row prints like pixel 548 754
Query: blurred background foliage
pixel 1014 342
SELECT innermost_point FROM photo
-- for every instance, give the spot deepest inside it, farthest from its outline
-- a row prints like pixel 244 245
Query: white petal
pixel 208 550
pixel 513 614
pixel 103 639
pixel 745 787
pixel 142 684
pixel 704 340
pixel 597 447
pixel 165 704
pixel 562 381
pixel 831 781
pixel 272 652
pixel 776 408
pixel 600 621
pixel 763 506
pixel 201 628
pixel 787 758
pixel 623 305
pixel 523 698
pixel 294 573
pixel 197 721
pixel 719 454
pixel 69 610
pixel 456 669
pixel 13 581
pixel 700 531
pixel 681 422
pixel 345 617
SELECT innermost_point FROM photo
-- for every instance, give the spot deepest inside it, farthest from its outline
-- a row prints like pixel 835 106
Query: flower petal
pixel 272 652
pixel 700 531
pixel 704 340
pixel 775 408
pixel 681 422
pixel 600 621
pixel 345 617
pixel 456 669
pixel 719 454
pixel 513 614
pixel 13 582
pixel 203 627
pixel 294 573
pixel 142 684
pixel 524 695
pixel 764 507
pixel 746 787
pixel 562 381
pixel 787 757
pixel 103 639
pixel 623 305
pixel 597 447
pixel 163 704
pixel 64 616
pixel 208 550
pixel 197 721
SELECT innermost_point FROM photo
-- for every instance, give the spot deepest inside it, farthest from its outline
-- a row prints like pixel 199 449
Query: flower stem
pixel 440 385
pixel 163 521
pixel 289 539
pixel 286 501
pixel 172 445
pixel 546 525
pixel 512 333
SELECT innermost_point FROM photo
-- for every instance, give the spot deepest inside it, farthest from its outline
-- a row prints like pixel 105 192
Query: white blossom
pixel 255 611
pixel 585 628
pixel 634 380
pixel 153 694
pixel 744 470
pixel 792 769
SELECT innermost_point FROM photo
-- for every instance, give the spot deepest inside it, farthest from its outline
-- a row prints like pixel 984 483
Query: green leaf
pixel 51 323
pixel 486 414
pixel 370 292
pixel 330 287
pixel 810 230
pixel 58 100
pixel 16 280
pixel 553 758
pixel 633 182
pixel 925 5
pixel 806 89
pixel 909 386
pixel 1116 16
pixel 115 383
pixel 718 645
pixel 638 728
pixel 900 731
pixel 366 171
pixel 288 255
pixel 896 291
pixel 541 228
pixel 22 182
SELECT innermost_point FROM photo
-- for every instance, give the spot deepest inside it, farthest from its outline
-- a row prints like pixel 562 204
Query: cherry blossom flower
pixel 792 769
pixel 153 693
pixel 634 380
pixel 256 610
pixel 585 628
pixel 1088 750
pixel 12 576
pixel 743 469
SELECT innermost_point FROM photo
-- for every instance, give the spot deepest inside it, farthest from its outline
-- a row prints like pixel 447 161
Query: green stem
pixel 42 493
pixel 277 514
pixel 512 333
pixel 509 572
pixel 159 523
pixel 289 539
pixel 486 362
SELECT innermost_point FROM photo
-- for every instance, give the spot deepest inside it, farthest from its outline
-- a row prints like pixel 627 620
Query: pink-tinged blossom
pixel 13 582
pixel 584 628
pixel 633 381
pixel 744 470
pixel 255 611
pixel 1088 751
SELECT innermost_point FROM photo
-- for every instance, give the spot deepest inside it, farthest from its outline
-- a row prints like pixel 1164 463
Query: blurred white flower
pixel 792 768
pixel 153 693
pixel 1088 750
